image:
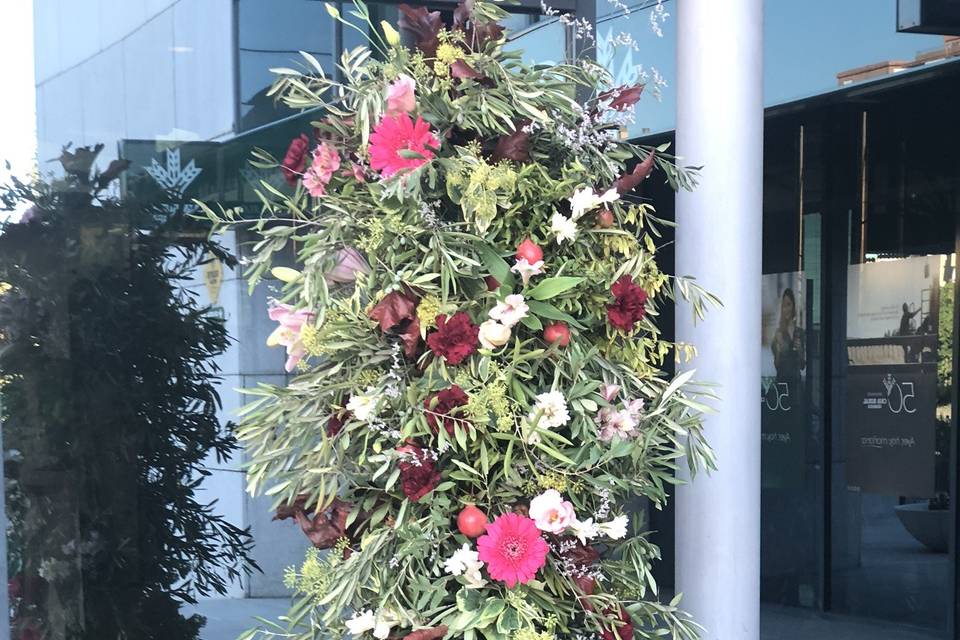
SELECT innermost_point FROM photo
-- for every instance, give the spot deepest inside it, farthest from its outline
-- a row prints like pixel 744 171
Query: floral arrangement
pixel 480 388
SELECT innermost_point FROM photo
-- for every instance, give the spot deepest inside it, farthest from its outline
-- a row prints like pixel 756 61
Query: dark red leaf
pixel 423 25
pixel 477 33
pixel 513 146
pixel 410 337
pixel 115 168
pixel 394 309
pixel 629 181
pixel 433 633
pixel 461 69
pixel 622 97
pixel 397 315
pixel 324 529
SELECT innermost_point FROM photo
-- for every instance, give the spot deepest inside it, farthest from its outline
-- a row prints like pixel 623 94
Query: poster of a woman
pixel 783 370
pixel 789 341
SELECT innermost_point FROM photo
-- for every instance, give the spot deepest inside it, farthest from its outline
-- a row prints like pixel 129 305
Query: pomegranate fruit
pixel 472 522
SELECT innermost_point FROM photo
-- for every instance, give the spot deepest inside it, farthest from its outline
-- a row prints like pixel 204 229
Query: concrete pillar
pixel 720 126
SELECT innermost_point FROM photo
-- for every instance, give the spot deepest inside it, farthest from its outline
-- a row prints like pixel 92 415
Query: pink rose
pixel 401 96
pixel 551 512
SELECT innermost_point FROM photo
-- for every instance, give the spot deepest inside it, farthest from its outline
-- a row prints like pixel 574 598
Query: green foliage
pixel 515 146
pixel 109 411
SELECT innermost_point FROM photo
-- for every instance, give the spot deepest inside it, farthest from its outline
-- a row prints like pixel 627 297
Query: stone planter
pixel 929 528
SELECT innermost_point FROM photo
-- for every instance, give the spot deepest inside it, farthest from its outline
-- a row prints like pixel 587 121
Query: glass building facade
pixel 861 232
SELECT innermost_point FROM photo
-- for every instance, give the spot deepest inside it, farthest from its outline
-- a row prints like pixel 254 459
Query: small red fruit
pixel 605 219
pixel 472 522
pixel 530 252
pixel 557 333
pixel 492 283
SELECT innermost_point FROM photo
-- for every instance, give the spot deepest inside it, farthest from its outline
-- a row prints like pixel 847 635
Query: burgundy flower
pixel 455 338
pixel 295 161
pixel 628 306
pixel 418 472
pixel 624 629
pixel 441 405
pixel 336 422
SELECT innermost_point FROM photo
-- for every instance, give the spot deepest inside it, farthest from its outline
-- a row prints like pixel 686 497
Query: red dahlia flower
pixel 395 135
pixel 513 549
pixel 295 159
pixel 455 338
pixel 418 472
pixel 440 406
pixel 628 307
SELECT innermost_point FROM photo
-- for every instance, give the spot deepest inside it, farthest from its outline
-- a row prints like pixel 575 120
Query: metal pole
pixel 720 125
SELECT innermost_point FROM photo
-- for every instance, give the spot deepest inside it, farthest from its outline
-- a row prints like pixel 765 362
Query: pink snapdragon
pixel 325 162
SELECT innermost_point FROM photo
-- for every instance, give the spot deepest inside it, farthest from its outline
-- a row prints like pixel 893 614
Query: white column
pixel 720 126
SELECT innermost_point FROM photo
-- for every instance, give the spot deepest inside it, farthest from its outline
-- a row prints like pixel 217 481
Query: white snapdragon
pixel 364 406
pixel 564 228
pixel 361 622
pixel 466 562
pixel 510 311
pixel 614 529
pixel 527 270
pixel 585 200
pixel 552 409
pixel 584 530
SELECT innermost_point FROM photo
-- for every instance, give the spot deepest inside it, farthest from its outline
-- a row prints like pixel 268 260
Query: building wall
pixel 136 69
pixel 163 70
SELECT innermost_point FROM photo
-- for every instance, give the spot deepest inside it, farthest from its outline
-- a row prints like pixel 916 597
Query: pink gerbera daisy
pixel 513 549
pixel 397 136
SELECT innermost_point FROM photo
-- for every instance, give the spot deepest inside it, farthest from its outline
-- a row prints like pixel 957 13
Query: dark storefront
pixel 861 225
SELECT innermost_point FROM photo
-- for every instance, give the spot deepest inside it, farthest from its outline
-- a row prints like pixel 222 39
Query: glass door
pixel 894 445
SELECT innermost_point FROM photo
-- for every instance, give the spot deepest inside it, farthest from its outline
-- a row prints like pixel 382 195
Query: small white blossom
pixel 386 620
pixel 563 227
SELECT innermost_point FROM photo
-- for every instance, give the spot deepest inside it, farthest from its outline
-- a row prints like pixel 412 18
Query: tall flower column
pixel 719 80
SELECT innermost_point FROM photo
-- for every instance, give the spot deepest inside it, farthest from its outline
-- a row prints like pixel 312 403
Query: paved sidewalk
pixel 227 619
